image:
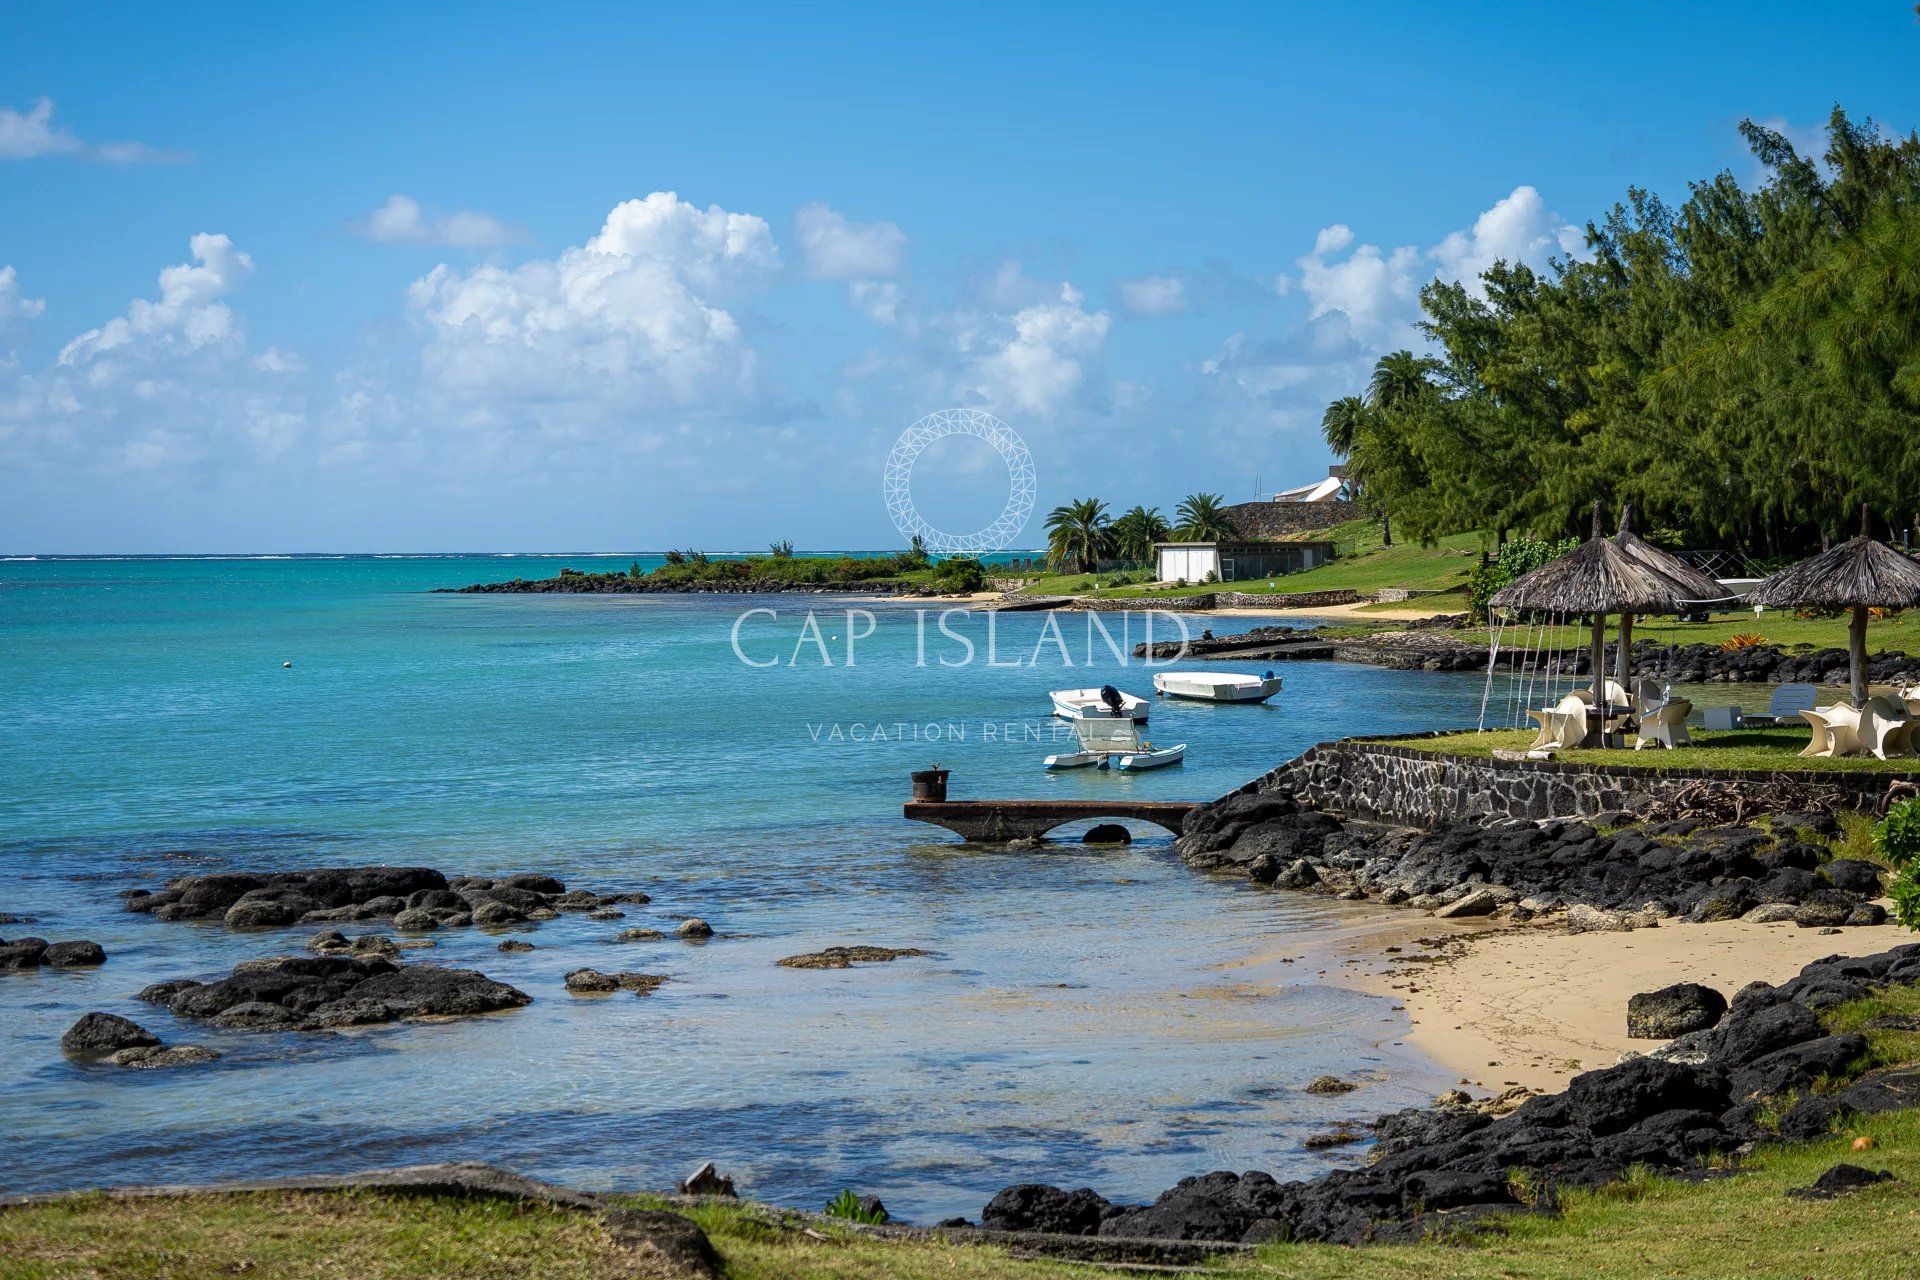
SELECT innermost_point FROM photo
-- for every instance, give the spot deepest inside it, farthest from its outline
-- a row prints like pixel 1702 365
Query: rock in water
pixel 695 929
pixel 73 955
pixel 100 1034
pixel 152 1058
pixel 594 982
pixel 1674 1011
pixel 708 1181
pixel 1330 1084
pixel 846 957
pixel 1839 1180
pixel 1107 833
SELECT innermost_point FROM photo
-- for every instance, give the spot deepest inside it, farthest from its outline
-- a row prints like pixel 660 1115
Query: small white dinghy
pixel 1071 704
pixel 1150 757
pixel 1114 742
pixel 1216 686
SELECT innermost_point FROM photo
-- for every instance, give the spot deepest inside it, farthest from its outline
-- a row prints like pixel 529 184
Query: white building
pixel 1235 561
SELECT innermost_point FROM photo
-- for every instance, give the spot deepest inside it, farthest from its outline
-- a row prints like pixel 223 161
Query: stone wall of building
pixel 1410 787
pixel 1287 519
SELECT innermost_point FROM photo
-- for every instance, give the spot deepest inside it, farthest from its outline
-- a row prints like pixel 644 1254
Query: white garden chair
pixel 1836 731
pixel 1562 727
pixel 1789 701
pixel 1886 727
pixel 1663 719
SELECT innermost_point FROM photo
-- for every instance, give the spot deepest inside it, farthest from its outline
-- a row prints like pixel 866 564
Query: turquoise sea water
pixel 1097 1018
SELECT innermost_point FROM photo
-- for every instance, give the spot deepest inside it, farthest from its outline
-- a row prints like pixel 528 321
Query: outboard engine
pixel 1111 696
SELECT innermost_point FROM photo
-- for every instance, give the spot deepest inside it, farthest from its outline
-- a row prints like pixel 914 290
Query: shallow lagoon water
pixel 1103 1018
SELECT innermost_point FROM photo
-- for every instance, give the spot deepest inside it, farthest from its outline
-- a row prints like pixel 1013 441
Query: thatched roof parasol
pixel 1859 574
pixel 1625 575
pixel 1622 574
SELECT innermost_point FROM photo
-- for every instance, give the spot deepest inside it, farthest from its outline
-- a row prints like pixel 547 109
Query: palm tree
pixel 1079 534
pixel 1400 377
pixel 1342 424
pixel 1135 533
pixel 1203 518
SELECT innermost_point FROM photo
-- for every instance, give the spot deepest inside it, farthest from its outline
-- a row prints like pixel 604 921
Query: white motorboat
pixel 1216 686
pixel 1113 742
pixel 1150 757
pixel 1070 704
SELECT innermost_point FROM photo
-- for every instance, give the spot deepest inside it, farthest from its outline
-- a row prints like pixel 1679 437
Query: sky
pixel 576 277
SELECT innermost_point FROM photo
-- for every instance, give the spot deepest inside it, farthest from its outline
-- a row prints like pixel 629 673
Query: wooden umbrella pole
pixel 1857 654
pixel 1623 661
pixel 1600 675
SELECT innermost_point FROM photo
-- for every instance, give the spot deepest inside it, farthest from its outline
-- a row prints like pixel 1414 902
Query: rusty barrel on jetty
pixel 930 784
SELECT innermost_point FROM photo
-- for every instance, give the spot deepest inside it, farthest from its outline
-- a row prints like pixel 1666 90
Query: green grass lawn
pixel 1755 749
pixel 1362 564
pixel 1739 1226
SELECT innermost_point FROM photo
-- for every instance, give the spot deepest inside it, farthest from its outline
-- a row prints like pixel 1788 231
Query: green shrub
pixel 1518 557
pixel 1905 892
pixel 1896 837
pixel 847 1205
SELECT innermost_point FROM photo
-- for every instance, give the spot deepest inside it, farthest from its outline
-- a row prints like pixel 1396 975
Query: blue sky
pixel 381 277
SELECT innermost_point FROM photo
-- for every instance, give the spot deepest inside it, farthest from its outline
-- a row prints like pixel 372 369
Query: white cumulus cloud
pixel 1154 295
pixel 1520 228
pixel 401 220
pixel 32 134
pixel 167 384
pixel 187 314
pixel 15 305
pixel 832 247
pixel 631 319
pixel 1035 359
pixel 1378 290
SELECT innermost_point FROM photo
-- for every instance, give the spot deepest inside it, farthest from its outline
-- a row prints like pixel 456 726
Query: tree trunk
pixel 1599 739
pixel 1857 654
pixel 1623 663
pixel 1386 529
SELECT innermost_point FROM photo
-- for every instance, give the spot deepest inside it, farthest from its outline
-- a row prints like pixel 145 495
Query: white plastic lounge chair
pixel 1836 731
pixel 1789 700
pixel 1886 727
pixel 1663 720
pixel 1723 719
pixel 1562 727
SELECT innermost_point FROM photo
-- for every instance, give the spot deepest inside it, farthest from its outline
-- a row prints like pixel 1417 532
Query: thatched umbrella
pixel 1623 575
pixel 1859 574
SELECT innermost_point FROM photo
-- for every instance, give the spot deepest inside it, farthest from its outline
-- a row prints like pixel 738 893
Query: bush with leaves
pixel 1896 837
pixel 1517 558
pixel 1904 889
pixel 851 1207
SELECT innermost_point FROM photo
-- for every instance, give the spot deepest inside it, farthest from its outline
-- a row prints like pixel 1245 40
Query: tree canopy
pixel 1744 367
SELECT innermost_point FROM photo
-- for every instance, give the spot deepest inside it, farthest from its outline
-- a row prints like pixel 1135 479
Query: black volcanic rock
pixel 1448 1168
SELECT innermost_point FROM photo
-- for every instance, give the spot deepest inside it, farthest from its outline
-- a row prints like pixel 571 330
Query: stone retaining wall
pixel 1282 600
pixel 1410 787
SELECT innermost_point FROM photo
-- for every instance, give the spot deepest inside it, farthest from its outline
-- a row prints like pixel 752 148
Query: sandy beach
pixel 1536 1006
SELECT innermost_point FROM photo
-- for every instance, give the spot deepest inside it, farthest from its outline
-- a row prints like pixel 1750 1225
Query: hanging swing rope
pixel 1493 656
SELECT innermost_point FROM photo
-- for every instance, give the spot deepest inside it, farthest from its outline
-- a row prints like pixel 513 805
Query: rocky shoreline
pixel 1768 1070
pixel 1612 873
pixel 619 585
pixel 1430 647
pixel 412 898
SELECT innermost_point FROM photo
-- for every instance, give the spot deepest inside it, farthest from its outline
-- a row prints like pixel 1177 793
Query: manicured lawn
pixel 1898 631
pixel 1756 749
pixel 1362 565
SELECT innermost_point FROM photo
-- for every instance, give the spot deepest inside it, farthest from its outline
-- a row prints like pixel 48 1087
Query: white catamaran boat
pixel 1114 742
pixel 1216 686
pixel 1071 704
